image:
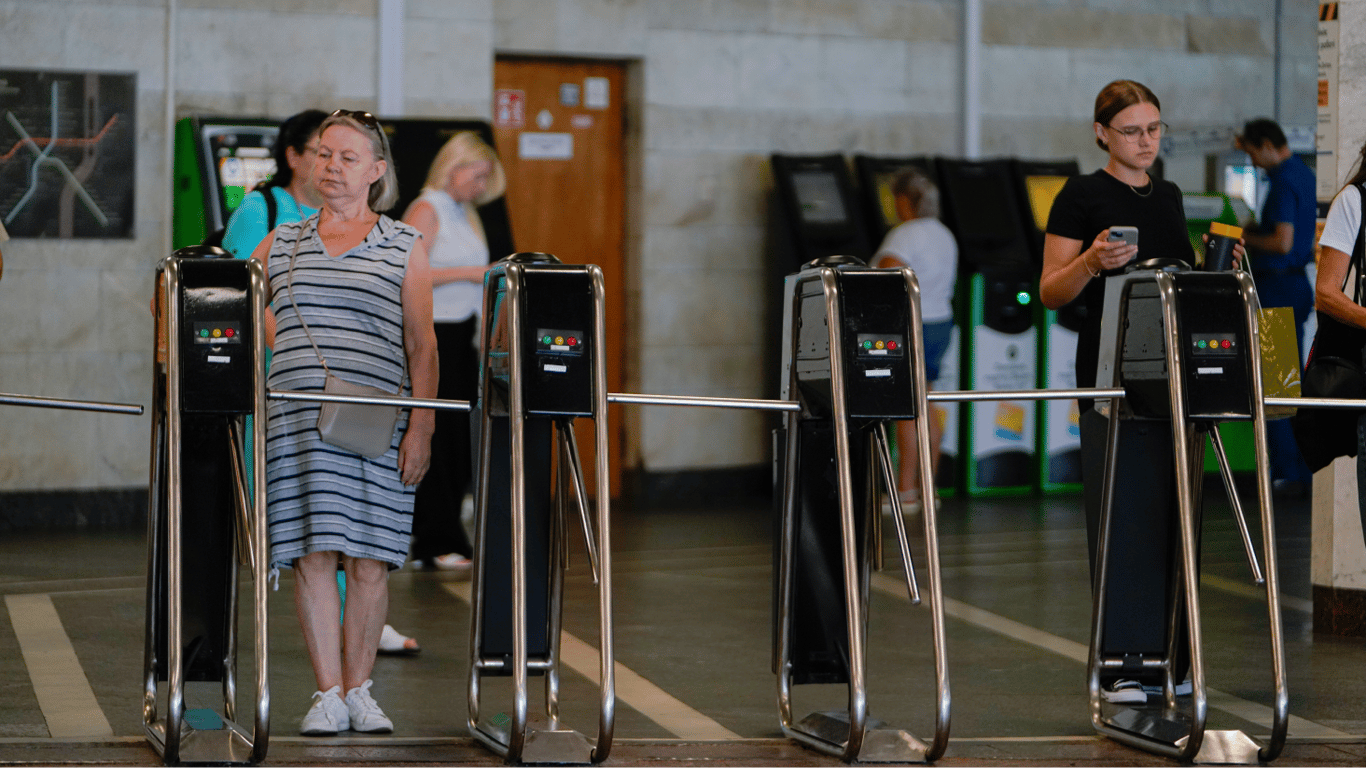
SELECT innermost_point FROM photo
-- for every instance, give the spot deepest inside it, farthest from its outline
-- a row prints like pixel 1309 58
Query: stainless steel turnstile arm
pixel 34 401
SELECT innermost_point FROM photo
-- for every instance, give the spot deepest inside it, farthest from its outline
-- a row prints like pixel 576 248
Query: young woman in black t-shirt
pixel 1077 256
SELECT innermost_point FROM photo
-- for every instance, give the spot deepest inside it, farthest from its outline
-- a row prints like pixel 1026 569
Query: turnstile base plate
pixel 829 732
pixel 1159 725
pixel 230 745
pixel 543 745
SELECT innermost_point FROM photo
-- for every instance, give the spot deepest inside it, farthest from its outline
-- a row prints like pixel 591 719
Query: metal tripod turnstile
pixel 1186 348
pixel 852 360
pixel 542 366
pixel 202 520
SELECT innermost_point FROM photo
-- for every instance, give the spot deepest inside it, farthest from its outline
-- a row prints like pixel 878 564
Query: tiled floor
pixel 693 632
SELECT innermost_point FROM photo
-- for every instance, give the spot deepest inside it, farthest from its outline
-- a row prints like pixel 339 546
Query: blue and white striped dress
pixel 319 497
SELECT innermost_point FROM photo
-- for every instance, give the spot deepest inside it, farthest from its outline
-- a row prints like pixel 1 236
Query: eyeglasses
pixel 364 118
pixel 1132 132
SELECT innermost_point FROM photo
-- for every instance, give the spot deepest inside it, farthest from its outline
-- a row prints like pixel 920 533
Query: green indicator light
pixel 545 339
pixel 204 333
pixel 1022 297
pixel 867 345
pixel 1202 343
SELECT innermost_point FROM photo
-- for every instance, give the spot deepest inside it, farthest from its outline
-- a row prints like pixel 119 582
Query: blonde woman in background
pixel 465 175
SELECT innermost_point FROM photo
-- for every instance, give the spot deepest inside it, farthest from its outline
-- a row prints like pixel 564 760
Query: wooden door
pixel 559 126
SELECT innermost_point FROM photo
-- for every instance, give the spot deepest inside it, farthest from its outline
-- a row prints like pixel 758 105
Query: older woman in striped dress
pixel 361 285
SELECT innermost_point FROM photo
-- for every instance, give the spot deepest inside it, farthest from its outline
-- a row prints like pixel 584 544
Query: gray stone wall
pixel 717 85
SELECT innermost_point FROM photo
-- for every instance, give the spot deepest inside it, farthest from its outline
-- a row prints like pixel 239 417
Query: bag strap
pixel 298 312
pixel 1359 248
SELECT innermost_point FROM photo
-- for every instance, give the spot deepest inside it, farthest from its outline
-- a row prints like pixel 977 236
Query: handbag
pixel 364 429
pixel 1334 370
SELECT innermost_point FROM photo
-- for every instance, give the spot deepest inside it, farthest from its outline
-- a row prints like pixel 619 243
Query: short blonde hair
pixel 384 190
pixel 461 149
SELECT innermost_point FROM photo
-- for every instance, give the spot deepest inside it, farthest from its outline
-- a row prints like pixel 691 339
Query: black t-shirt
pixel 1088 205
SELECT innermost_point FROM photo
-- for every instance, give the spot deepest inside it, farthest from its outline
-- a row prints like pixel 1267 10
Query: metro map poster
pixel 66 153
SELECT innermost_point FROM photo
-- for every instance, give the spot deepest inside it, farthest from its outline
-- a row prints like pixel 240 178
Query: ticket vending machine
pixel 218 160
pixel 543 366
pixel 204 525
pixel 1000 333
pixel 875 175
pixel 817 211
pixel 851 360
pixel 1059 436
pixel 1185 346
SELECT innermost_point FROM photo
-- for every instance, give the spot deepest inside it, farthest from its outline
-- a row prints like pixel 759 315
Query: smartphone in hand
pixel 1126 235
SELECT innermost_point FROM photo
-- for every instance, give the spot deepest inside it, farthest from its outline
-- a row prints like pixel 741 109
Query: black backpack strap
pixel 271 207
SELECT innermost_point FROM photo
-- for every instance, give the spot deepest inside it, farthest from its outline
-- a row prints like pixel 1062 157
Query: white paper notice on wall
pixel 596 93
pixel 545 146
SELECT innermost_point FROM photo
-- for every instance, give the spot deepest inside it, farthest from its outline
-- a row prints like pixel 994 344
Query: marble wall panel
pixel 865 75
pixel 694 69
pixel 702 438
pixel 1237 36
pixel 710 15
pixel 1351 86
pixel 454 10
pixel 717 307
pixel 233 51
pixel 1072 27
pixel 440 69
pixel 525 25
pixel 891 19
pixel 709 370
pixel 602 27
pixel 778 72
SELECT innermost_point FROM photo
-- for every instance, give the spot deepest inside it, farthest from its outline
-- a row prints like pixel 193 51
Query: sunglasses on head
pixel 364 118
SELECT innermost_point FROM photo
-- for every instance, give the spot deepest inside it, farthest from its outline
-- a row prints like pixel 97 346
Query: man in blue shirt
pixel 1279 247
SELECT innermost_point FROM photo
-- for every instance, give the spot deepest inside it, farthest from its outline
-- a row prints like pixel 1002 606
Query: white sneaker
pixel 1124 692
pixel 452 562
pixel 328 715
pixel 366 716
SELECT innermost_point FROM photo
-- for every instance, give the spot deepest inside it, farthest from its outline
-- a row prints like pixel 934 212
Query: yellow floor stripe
pixel 63 691
pixel 1250 711
pixel 632 689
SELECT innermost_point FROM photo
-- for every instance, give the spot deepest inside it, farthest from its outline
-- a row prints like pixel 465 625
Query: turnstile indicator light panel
pixel 881 345
pixel 218 332
pixel 560 342
pixel 1215 343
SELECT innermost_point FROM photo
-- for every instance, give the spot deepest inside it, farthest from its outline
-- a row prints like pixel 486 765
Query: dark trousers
pixel 1145 535
pixel 436 509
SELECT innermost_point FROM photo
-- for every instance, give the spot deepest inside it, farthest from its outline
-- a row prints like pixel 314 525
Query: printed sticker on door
pixel 545 146
pixel 509 109
pixel 596 92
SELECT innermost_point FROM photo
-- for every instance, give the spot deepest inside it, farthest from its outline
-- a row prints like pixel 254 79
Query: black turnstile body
pixel 1185 347
pixel 852 360
pixel 203 519
pixel 543 366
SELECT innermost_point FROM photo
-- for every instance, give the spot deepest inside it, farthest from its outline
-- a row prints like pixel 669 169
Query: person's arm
pixel 422 216
pixel 1067 268
pixel 1278 241
pixel 419 344
pixel 1328 295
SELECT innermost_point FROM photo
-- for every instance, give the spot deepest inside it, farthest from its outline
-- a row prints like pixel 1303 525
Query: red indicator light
pixel 1226 344
pixel 573 341
pixel 229 333
pixel 891 345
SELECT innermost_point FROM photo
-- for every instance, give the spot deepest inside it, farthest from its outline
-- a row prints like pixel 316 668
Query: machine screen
pixel 881 345
pixel 1043 190
pixel 818 195
pixel 559 341
pixel 240 173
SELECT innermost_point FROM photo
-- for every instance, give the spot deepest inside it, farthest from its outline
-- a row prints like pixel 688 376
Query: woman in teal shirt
pixel 291 187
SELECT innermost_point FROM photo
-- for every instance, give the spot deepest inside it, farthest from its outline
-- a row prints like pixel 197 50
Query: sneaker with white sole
pixel 366 716
pixel 1124 692
pixel 328 716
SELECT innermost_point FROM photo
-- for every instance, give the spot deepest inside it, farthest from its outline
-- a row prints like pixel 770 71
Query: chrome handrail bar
pixel 35 401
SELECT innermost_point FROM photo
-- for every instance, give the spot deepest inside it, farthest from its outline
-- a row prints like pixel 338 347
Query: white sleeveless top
pixel 457 245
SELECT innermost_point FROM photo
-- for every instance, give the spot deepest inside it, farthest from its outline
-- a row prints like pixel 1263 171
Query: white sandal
pixel 391 643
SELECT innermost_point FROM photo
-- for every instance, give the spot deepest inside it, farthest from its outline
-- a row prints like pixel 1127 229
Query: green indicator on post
pixel 1022 297
pixel 867 345
pixel 545 339
pixel 204 333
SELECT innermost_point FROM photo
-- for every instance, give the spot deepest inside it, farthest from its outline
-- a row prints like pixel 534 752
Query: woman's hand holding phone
pixel 1113 252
